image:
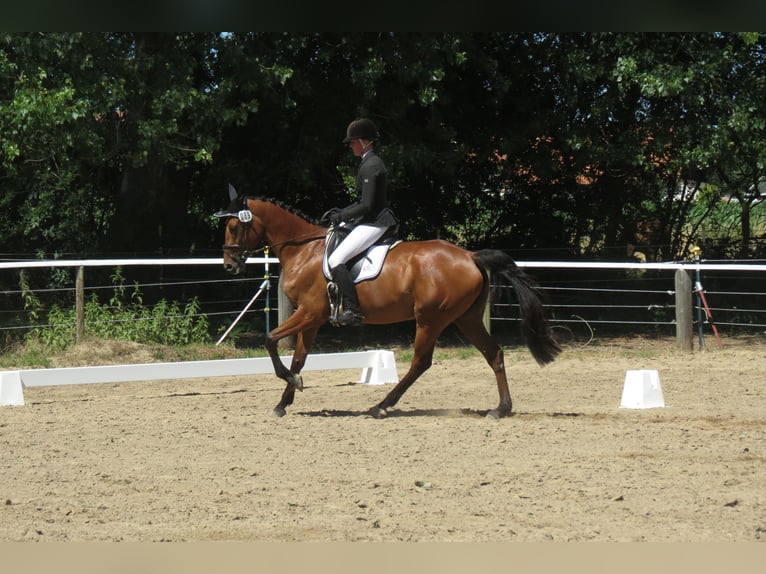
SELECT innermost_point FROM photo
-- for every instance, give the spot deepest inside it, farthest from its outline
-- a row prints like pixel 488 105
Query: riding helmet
pixel 361 129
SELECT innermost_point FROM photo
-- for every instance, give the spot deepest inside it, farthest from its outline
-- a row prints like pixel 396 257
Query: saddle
pixel 367 265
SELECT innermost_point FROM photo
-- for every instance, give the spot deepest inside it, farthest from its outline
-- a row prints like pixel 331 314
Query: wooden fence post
pixel 80 305
pixel 684 339
pixel 284 310
pixel 488 307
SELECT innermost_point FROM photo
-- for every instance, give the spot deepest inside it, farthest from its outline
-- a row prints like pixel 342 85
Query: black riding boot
pixel 351 314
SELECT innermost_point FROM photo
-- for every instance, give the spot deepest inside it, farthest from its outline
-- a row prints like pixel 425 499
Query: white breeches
pixel 360 238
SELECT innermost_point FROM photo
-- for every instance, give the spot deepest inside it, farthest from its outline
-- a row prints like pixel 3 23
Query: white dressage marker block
pixel 378 367
pixel 382 372
pixel 11 392
pixel 642 390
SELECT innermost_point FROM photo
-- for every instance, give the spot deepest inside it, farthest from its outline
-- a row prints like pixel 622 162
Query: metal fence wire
pixel 581 297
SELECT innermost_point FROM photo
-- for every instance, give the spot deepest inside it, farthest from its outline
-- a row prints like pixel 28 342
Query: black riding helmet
pixel 361 129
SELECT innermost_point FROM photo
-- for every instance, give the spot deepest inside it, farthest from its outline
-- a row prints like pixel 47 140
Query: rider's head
pixel 361 129
pixel 361 135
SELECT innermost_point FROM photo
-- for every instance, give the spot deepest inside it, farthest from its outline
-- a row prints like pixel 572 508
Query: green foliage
pixel 124 142
pixel 126 318
pixel 31 354
pixel 719 234
pixel 31 300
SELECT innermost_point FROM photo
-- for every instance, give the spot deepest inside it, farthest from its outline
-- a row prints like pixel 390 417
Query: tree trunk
pixel 744 250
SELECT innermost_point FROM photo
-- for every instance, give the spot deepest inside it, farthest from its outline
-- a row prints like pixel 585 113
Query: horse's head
pixel 242 233
pixel 255 220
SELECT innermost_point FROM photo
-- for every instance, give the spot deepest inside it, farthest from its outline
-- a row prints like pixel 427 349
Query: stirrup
pixel 340 317
pixel 333 294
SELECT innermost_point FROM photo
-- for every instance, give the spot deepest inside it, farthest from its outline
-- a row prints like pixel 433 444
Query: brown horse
pixel 433 282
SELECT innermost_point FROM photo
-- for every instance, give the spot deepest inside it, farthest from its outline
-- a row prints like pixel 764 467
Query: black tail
pixel 534 325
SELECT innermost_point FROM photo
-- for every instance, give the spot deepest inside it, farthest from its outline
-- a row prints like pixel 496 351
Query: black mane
pixel 284 206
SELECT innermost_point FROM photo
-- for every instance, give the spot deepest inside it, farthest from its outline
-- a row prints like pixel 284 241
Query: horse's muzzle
pixel 234 266
pixel 234 262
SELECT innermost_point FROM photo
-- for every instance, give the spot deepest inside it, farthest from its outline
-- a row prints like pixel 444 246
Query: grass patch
pixel 96 352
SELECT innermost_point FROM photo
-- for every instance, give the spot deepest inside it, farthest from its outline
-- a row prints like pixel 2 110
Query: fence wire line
pixel 735 293
pixel 135 285
pixel 736 310
pixel 602 290
pixel 557 289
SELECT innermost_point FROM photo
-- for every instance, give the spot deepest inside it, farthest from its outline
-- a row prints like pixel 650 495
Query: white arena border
pixel 662 266
pixel 378 367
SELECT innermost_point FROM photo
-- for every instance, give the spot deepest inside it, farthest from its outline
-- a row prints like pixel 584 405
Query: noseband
pixel 237 254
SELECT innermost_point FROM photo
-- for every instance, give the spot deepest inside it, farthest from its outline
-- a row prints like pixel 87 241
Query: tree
pixel 125 142
pixel 739 130
pixel 100 128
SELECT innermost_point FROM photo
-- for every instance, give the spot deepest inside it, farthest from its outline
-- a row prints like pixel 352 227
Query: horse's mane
pixel 283 205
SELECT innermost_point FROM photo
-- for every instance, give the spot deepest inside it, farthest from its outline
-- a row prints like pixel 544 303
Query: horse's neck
pixel 288 234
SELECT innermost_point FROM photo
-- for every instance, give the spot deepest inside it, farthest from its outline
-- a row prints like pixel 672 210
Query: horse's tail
pixel 534 326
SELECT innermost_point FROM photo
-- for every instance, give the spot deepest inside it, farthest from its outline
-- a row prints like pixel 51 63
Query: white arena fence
pixel 607 294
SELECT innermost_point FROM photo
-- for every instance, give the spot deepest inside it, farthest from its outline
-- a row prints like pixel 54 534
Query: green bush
pixel 165 323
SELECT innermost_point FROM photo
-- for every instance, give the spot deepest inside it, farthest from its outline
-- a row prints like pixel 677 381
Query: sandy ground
pixel 204 459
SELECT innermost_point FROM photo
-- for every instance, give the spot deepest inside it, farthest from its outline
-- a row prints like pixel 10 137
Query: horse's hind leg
pixel 473 328
pixel 425 341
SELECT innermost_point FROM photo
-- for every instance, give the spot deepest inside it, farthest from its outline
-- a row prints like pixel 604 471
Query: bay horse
pixel 434 282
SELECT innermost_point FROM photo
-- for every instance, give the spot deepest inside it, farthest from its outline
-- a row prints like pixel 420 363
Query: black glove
pixel 331 216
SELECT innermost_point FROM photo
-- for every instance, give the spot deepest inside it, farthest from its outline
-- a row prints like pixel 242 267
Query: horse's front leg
pixel 295 325
pixel 287 399
pixel 293 379
pixel 304 340
pixel 303 344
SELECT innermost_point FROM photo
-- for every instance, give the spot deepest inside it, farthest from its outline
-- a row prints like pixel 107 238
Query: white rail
pixel 378 367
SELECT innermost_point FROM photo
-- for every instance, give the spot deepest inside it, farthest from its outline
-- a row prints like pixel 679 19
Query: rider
pixel 369 217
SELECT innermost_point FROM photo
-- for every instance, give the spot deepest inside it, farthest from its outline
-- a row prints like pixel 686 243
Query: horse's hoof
pixel 296 381
pixel 279 412
pixel 497 414
pixel 378 412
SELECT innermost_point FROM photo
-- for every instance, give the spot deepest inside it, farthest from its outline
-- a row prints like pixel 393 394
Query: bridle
pixel 238 254
pixel 240 257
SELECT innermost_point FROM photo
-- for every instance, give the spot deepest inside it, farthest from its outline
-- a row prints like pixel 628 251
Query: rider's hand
pixel 331 216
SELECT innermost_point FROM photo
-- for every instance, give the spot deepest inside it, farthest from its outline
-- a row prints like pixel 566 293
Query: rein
pixel 243 254
pixel 246 216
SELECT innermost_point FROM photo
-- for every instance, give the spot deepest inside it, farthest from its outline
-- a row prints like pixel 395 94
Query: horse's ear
pixel 235 202
pixel 233 209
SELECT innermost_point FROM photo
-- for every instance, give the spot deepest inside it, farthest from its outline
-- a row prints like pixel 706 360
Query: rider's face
pixel 358 147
